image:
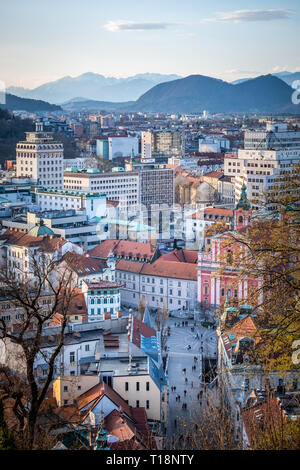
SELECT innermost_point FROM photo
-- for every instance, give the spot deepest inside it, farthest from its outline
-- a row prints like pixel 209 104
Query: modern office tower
pixel 156 186
pixel 162 144
pixel 118 146
pixel 41 158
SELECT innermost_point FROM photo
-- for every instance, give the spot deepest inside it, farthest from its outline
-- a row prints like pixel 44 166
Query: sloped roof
pixel 261 417
pixel 140 328
pixel 83 264
pixel 95 394
pixel 47 243
pixel 171 269
pixel 214 174
pixel 243 328
pixel 126 248
pixel 183 256
pixel 162 268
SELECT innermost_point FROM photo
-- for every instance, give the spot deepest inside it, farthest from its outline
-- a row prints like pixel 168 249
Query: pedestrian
pixel 178 397
pixel 192 384
pixel 175 387
pixel 186 380
pixel 184 391
pixel 182 406
pixel 175 423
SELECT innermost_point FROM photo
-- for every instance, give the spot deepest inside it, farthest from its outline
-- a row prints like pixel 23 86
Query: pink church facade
pixel 215 286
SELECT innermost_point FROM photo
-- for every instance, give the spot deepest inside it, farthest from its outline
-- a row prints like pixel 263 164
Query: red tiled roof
pixel 261 417
pixel 141 328
pixel 214 174
pixel 162 268
pixel 183 256
pixel 218 211
pixel 243 328
pixel 171 269
pixel 130 266
pixel 83 264
pixel 122 248
pixel 44 243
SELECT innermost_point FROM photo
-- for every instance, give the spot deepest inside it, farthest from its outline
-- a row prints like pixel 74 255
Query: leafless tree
pixel 20 346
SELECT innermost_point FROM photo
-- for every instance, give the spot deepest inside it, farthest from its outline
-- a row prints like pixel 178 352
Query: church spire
pixel 243 202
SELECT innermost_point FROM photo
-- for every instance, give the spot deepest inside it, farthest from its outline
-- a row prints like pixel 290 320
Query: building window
pixel 65 402
pixel 87 347
pixel 147 386
pixel 147 404
pixel 72 356
pixel 138 386
pixel 65 388
pixel 126 386
pixel 138 403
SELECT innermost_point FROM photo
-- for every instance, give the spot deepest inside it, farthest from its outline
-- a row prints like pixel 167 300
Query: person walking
pixel 184 391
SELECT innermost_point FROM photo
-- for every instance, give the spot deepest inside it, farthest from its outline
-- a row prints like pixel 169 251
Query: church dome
pixel 40 230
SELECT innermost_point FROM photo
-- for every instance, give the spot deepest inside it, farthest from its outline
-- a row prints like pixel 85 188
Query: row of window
pixel 137 386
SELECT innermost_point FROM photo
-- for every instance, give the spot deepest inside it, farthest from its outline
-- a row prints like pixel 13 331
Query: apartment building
pixel 266 156
pixel 41 158
pixel 276 136
pixel 257 168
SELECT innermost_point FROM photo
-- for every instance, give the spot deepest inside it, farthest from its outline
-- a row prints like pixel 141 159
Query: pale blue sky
pixel 45 40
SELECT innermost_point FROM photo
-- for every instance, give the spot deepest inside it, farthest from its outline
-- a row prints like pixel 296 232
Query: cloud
pixel 117 26
pixel 245 16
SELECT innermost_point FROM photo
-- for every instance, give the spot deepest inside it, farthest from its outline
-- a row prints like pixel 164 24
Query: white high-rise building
pixel 263 159
pixel 41 158
pixel 276 136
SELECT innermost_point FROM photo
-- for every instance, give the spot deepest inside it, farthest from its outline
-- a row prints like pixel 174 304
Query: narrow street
pixel 188 384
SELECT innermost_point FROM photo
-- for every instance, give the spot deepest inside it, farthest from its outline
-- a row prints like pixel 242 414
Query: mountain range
pixel 93 86
pixel 264 94
pixel 195 93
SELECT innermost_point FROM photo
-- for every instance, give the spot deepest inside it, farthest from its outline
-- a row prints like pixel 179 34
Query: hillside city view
pixel 149 228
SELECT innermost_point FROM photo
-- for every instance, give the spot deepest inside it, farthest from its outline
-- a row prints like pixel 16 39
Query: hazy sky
pixel 45 40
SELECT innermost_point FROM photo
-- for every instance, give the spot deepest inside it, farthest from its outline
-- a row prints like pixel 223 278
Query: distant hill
pixel 195 93
pixel 93 86
pixel 25 104
pixel 287 77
